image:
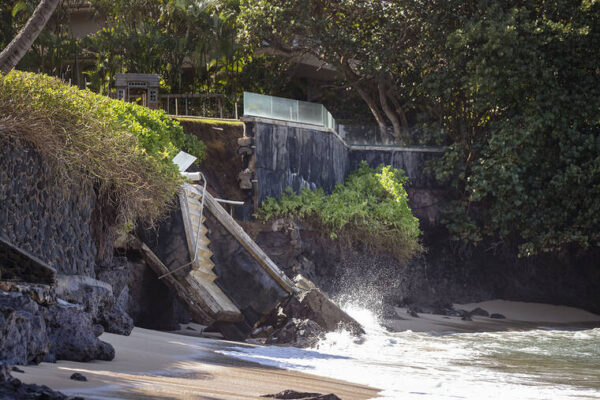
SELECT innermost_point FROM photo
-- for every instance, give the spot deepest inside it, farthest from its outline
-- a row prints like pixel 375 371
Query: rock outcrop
pixel 302 321
pixel 23 335
pixel 316 306
pixel 71 336
pixel 298 333
pixel 98 300
pixel 31 332
pixel 294 395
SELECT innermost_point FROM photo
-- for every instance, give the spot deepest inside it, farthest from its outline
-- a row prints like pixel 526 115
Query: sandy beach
pixel 158 365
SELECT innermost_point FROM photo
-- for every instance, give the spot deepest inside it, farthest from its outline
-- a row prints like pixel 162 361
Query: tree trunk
pixel 388 111
pixel 399 111
pixel 18 47
pixel 374 109
pixel 364 94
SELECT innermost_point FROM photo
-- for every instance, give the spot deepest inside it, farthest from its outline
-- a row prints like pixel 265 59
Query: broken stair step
pixel 204 264
pixel 204 241
pixel 206 274
pixel 203 229
pixel 196 213
pixel 202 252
pixel 222 305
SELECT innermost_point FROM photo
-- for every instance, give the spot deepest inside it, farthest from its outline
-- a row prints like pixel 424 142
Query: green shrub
pixel 370 208
pixel 124 149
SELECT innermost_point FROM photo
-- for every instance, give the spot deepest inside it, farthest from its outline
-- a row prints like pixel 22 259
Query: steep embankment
pixel 75 167
pixel 222 164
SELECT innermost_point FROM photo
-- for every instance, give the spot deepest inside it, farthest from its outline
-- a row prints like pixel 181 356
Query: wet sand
pixel 159 365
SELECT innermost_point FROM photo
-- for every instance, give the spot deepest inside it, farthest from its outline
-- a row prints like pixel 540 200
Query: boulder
pixel 298 333
pixel 316 306
pixel 455 313
pixel 23 338
pixel 497 316
pixel 294 395
pixel 479 312
pixel 97 299
pixel 72 337
pixel 412 312
pixel 78 377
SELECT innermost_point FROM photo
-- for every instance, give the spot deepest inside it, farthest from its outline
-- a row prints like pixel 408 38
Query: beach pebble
pixel 78 377
pixel 292 394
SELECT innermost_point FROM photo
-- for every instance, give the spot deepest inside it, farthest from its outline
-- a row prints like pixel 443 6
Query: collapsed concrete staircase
pixel 200 255
pixel 181 256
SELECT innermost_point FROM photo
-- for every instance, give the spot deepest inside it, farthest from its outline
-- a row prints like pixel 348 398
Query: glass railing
pixel 303 112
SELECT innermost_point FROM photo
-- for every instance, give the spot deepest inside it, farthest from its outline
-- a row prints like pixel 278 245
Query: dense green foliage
pixel 124 149
pixel 519 90
pixel 370 208
pixel 191 44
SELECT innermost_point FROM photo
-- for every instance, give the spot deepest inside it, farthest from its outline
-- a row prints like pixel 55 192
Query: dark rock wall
pixel 150 303
pixel 46 216
pixel 447 272
pixel 290 156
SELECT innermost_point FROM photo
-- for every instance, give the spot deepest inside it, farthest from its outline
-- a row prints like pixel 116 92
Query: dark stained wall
pixel 301 157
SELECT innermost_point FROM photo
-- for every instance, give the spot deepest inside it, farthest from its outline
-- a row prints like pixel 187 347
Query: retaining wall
pixel 298 156
pixel 47 217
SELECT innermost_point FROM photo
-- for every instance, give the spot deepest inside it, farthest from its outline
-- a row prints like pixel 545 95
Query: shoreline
pixel 157 365
pixel 519 316
pixel 181 365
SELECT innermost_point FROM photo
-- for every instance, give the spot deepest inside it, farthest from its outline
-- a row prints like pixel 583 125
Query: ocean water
pixel 535 364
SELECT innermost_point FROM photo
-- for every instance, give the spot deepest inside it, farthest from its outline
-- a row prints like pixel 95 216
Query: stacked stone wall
pixel 48 216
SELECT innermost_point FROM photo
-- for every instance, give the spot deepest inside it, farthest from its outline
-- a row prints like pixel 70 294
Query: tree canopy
pixel 369 43
pixel 519 90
